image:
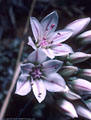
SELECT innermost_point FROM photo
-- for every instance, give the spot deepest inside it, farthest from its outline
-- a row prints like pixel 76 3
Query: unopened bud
pixel 68 70
pixel 71 95
pixel 85 37
pixel 78 57
pixel 69 108
pixel 88 103
pixel 85 73
pixel 81 84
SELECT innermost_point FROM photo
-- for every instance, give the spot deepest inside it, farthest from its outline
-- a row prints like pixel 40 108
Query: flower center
pixel 44 43
pixel 36 72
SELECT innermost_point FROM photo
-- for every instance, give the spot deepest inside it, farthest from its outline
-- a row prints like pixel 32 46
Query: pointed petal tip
pixel 39 90
pixel 78 25
pixel 54 12
pixel 88 19
pixel 68 106
pixel 31 43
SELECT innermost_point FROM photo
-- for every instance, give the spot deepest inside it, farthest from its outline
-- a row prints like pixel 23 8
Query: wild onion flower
pixel 40 75
pixel 47 38
pixel 50 40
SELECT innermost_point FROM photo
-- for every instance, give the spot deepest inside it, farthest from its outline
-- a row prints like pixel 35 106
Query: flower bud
pixel 78 57
pixel 69 70
pixel 88 103
pixel 85 37
pixel 85 73
pixel 71 95
pixel 82 111
pixel 69 108
pixel 81 85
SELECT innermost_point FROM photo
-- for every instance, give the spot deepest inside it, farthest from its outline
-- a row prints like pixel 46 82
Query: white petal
pixel 23 86
pixel 49 53
pixel 36 28
pixel 55 83
pixel 31 43
pixel 56 79
pixel 69 108
pixel 27 67
pixel 39 90
pixel 53 87
pixel 60 36
pixel 37 56
pixel 78 25
pixel 62 50
pixel 84 112
pixel 50 22
pixel 51 66
pixel 81 84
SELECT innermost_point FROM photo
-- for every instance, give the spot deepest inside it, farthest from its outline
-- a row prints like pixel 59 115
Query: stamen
pixel 44 38
pixel 36 73
pixel 59 33
pixel 31 84
pixel 52 26
pixel 39 95
pixel 59 44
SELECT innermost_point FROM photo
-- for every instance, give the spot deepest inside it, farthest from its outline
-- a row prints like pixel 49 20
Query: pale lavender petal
pixel 84 112
pixel 56 79
pixel 39 90
pixel 37 56
pixel 27 67
pixel 50 86
pixel 51 66
pixel 60 36
pixel 31 43
pixel 36 28
pixel 50 22
pixel 23 86
pixel 81 84
pixel 78 25
pixel 55 83
pixel 49 53
pixel 61 50
pixel 69 108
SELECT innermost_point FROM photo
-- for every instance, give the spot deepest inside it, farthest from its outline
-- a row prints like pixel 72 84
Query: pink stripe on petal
pixel 82 87
pixel 48 23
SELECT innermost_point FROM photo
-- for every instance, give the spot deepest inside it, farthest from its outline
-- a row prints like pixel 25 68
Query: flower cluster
pixel 40 72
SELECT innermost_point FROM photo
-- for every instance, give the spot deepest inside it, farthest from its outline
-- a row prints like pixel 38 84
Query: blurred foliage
pixel 13 16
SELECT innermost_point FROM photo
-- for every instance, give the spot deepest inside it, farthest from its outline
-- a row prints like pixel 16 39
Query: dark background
pixel 13 16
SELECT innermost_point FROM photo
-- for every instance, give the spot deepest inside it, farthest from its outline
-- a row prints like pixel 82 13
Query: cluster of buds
pixel 43 73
